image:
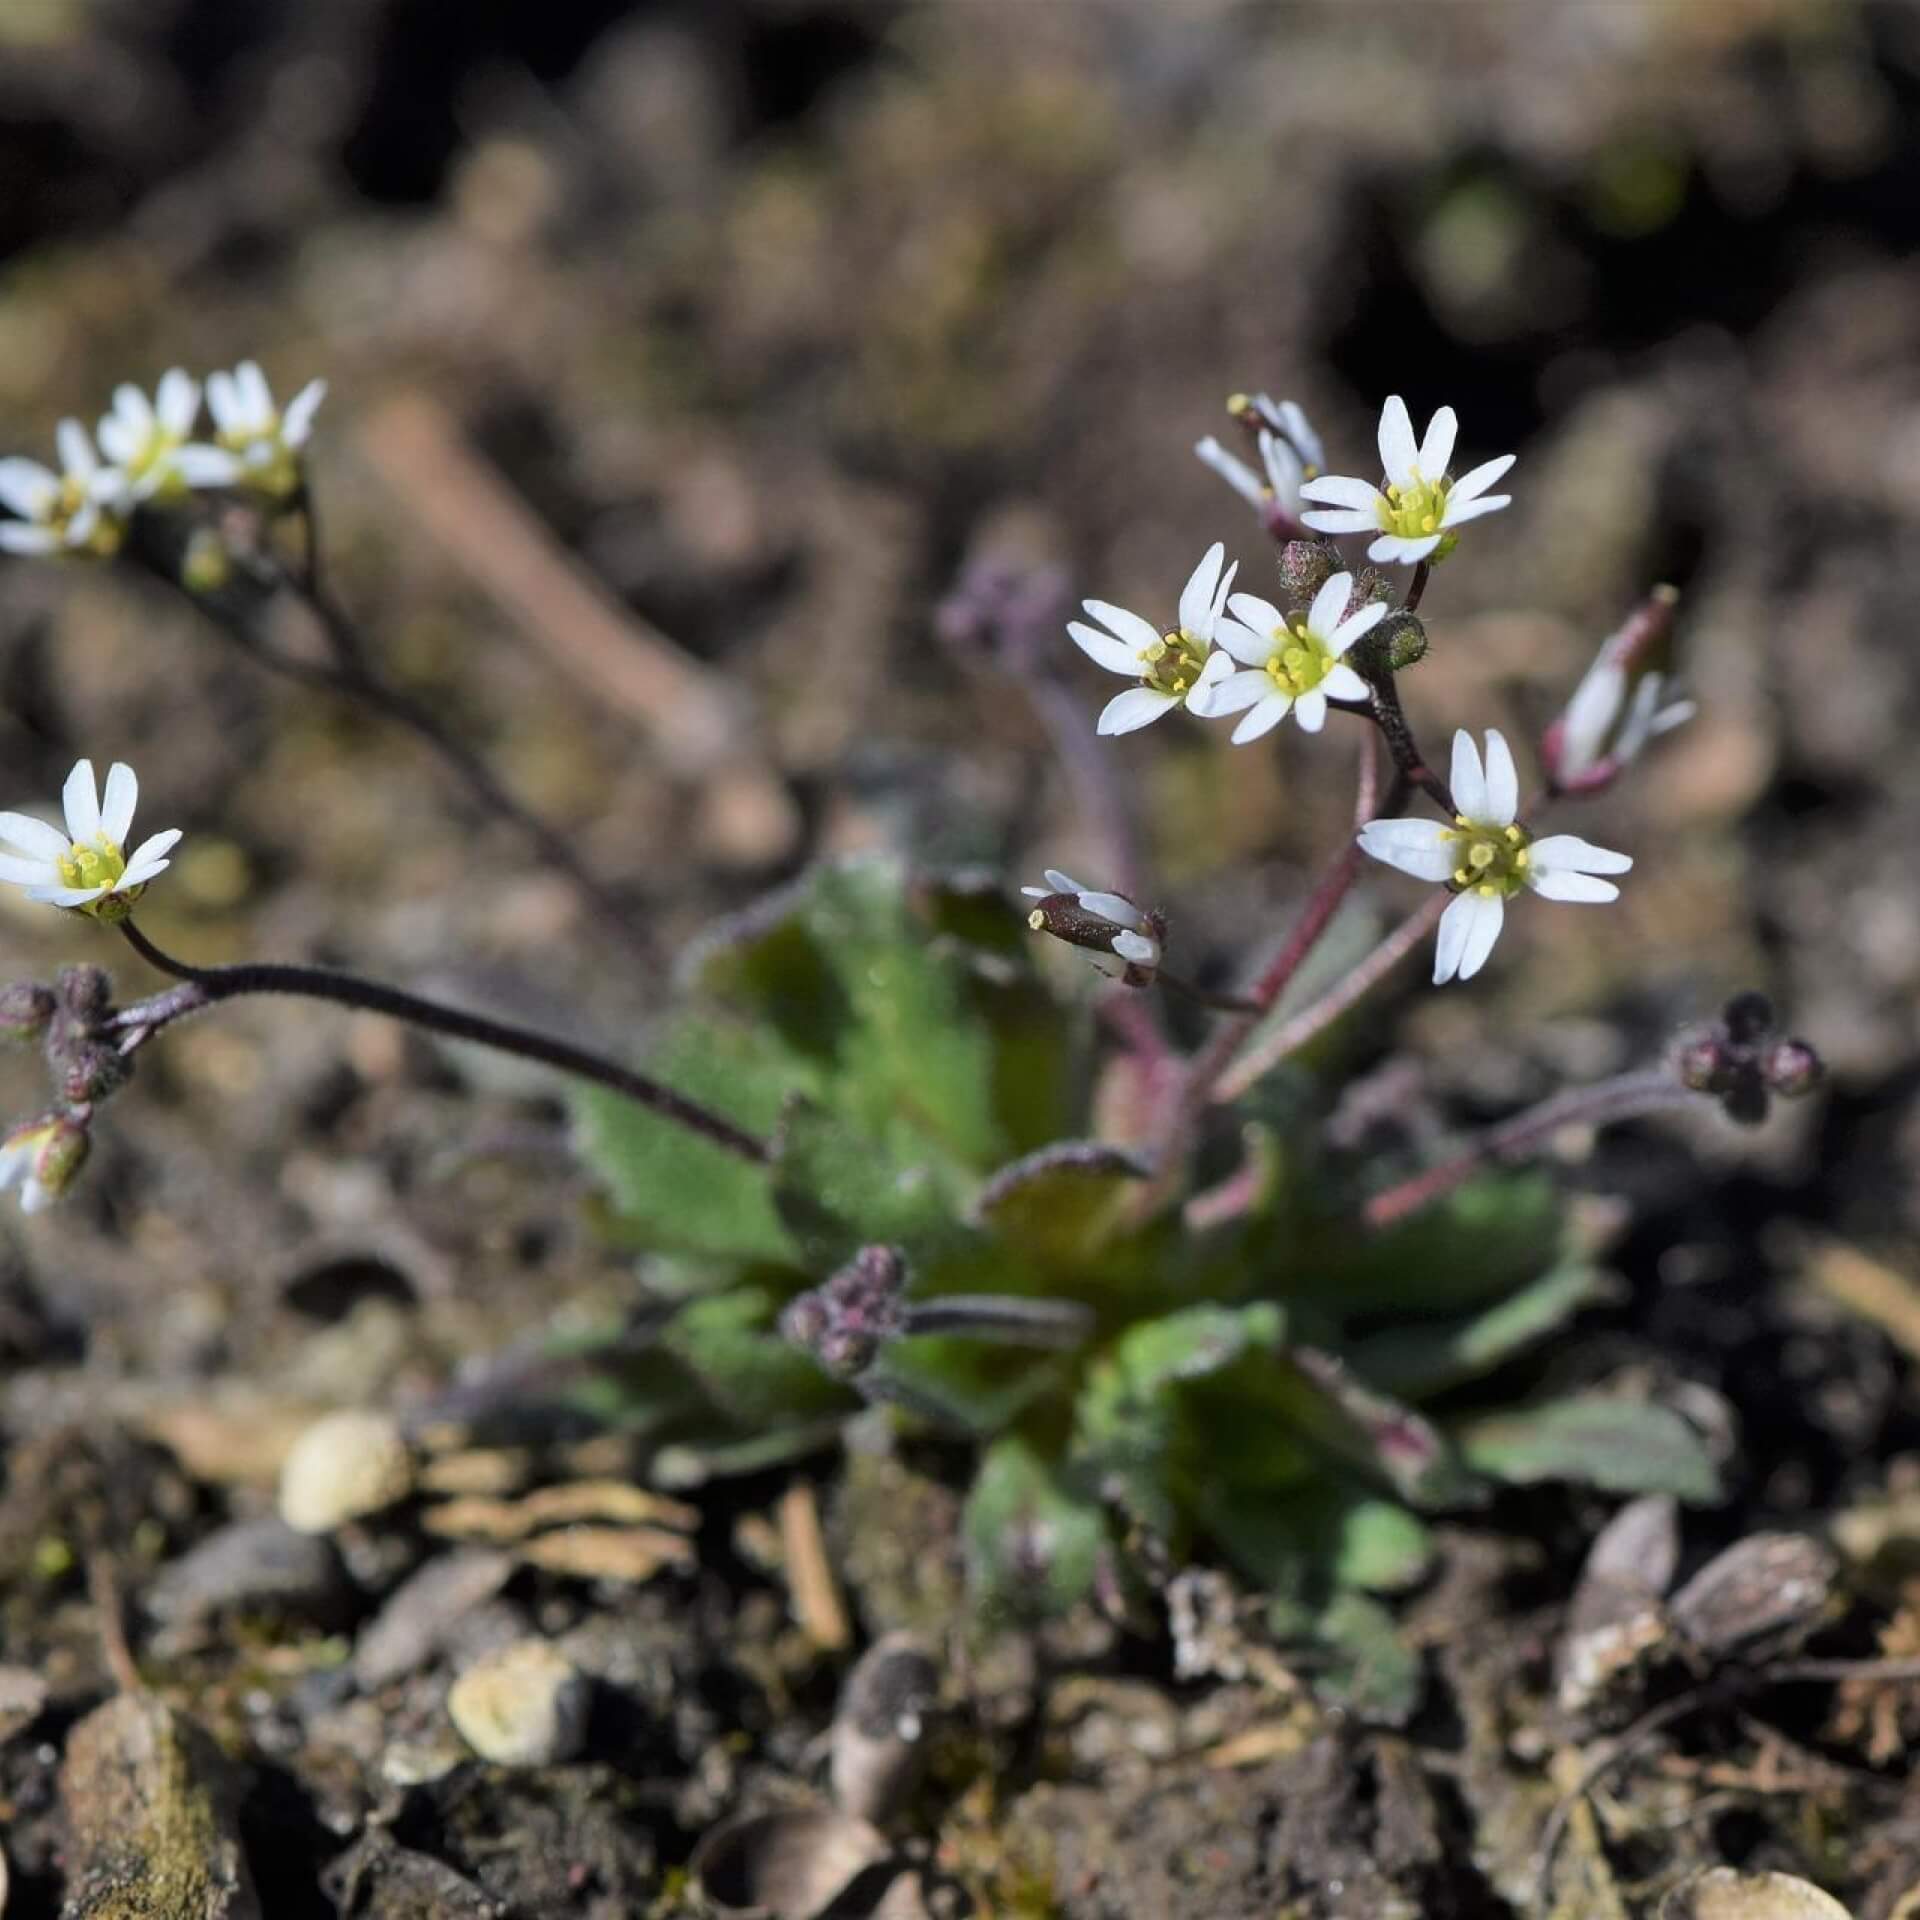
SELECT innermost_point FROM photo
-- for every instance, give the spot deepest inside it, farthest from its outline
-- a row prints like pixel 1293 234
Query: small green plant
pixel 1174 1299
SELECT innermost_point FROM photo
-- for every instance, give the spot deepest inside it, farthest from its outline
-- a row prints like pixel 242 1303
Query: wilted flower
pixel 1168 666
pixel 1294 663
pixel 1422 506
pixel 43 1159
pixel 265 441
pixel 1621 703
pixel 1119 938
pixel 148 440
pixel 1486 857
pixel 1290 452
pixel 72 511
pixel 85 868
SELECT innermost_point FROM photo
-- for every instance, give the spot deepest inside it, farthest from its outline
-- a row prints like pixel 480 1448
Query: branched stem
pixel 1625 1097
pixel 207 986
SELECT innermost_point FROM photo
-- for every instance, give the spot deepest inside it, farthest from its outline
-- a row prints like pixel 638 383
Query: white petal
pixel 80 800
pixel 1135 631
pixel 1140 948
pixel 1391 547
pixel 1197 596
pixel 120 441
pixel 25 834
pixel 1469 784
pixel 133 406
pixel 1264 716
pixel 223 402
pixel 1341 490
pixel 296 425
pixel 1503 781
pixel 1356 626
pixel 1112 906
pixel 1283 469
pixel 1329 605
pixel 256 397
pixel 204 466
pixel 1340 520
pixel 1200 696
pixel 153 847
pixel 1437 449
pixel 17 537
pixel 1061 882
pixel 27 488
pixel 1398 454
pixel 77 456
pixel 1589 717
pixel 1137 707
pixel 178 402
pixel 1235 472
pixel 1311 710
pixel 1416 847
pixel 34 1198
pixel 1568 850
pixel 1483 929
pixel 138 875
pixel 1250 646
pixel 1219 602
pixel 1342 683
pixel 1236 690
pixel 1261 615
pixel 122 796
pixel 1457 514
pixel 1481 478
pixel 1104 650
pixel 1454 925
pixel 64 896
pixel 1562 883
pixel 1299 429
pixel 18 871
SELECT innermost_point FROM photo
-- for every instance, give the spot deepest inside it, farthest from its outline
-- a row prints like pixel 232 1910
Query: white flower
pixel 148 440
pixel 43 1159
pixel 1486 857
pixel 1621 703
pixel 1107 926
pixel 1290 452
pixel 266 442
pixel 1168 666
pixel 72 511
pixel 85 868
pixel 1418 514
pixel 1295 665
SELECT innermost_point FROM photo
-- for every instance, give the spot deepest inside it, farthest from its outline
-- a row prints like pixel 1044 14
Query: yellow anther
pixel 1239 403
pixel 1461 876
pixel 1037 921
pixel 1487 891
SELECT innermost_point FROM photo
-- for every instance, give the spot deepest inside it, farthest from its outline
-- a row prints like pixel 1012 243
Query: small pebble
pixel 523 1706
pixel 343 1468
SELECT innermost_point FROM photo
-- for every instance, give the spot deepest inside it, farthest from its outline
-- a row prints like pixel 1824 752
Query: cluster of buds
pixel 85 1062
pixel 850 1316
pixel 1744 1061
pixel 145 454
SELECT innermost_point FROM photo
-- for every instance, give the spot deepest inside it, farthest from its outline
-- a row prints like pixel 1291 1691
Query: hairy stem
pixel 1625 1097
pixel 207 986
pixel 1009 1319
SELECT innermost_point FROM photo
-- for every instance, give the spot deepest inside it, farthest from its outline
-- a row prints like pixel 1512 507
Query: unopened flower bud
pixel 1399 641
pixel 848 1318
pixel 1626 698
pixel 1701 1063
pixel 83 991
pixel 1122 940
pixel 1306 566
pixel 1793 1069
pixel 206 564
pixel 44 1158
pixel 25 1008
pixel 86 1071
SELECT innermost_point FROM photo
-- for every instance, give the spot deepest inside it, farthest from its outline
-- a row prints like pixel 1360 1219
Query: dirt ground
pixel 679 357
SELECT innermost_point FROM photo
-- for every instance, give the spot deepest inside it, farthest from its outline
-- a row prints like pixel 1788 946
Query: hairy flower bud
pixel 1793 1069
pixel 1306 566
pixel 83 991
pixel 848 1318
pixel 25 1009
pixel 1123 940
pixel 1399 641
pixel 1624 700
pixel 1742 1062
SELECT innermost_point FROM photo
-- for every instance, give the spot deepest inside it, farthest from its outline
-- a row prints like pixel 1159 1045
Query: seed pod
pixel 1765 1590
pixel 880 1728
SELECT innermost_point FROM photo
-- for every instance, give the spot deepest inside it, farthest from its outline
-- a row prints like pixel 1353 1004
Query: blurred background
pixel 681 356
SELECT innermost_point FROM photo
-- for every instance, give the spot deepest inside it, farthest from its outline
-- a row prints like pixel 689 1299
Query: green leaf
pixel 1320 1536
pixel 972 1385
pixel 670 1188
pixel 1425 1357
pixel 766 963
pixel 1062 1204
pixel 1374 1673
pixel 730 1342
pixel 1034 1535
pixel 1594 1440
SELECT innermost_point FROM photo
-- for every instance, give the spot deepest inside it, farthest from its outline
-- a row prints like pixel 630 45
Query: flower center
pixel 1415 512
pixel 1490 861
pixel 1299 661
pixel 99 864
pixel 1172 664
